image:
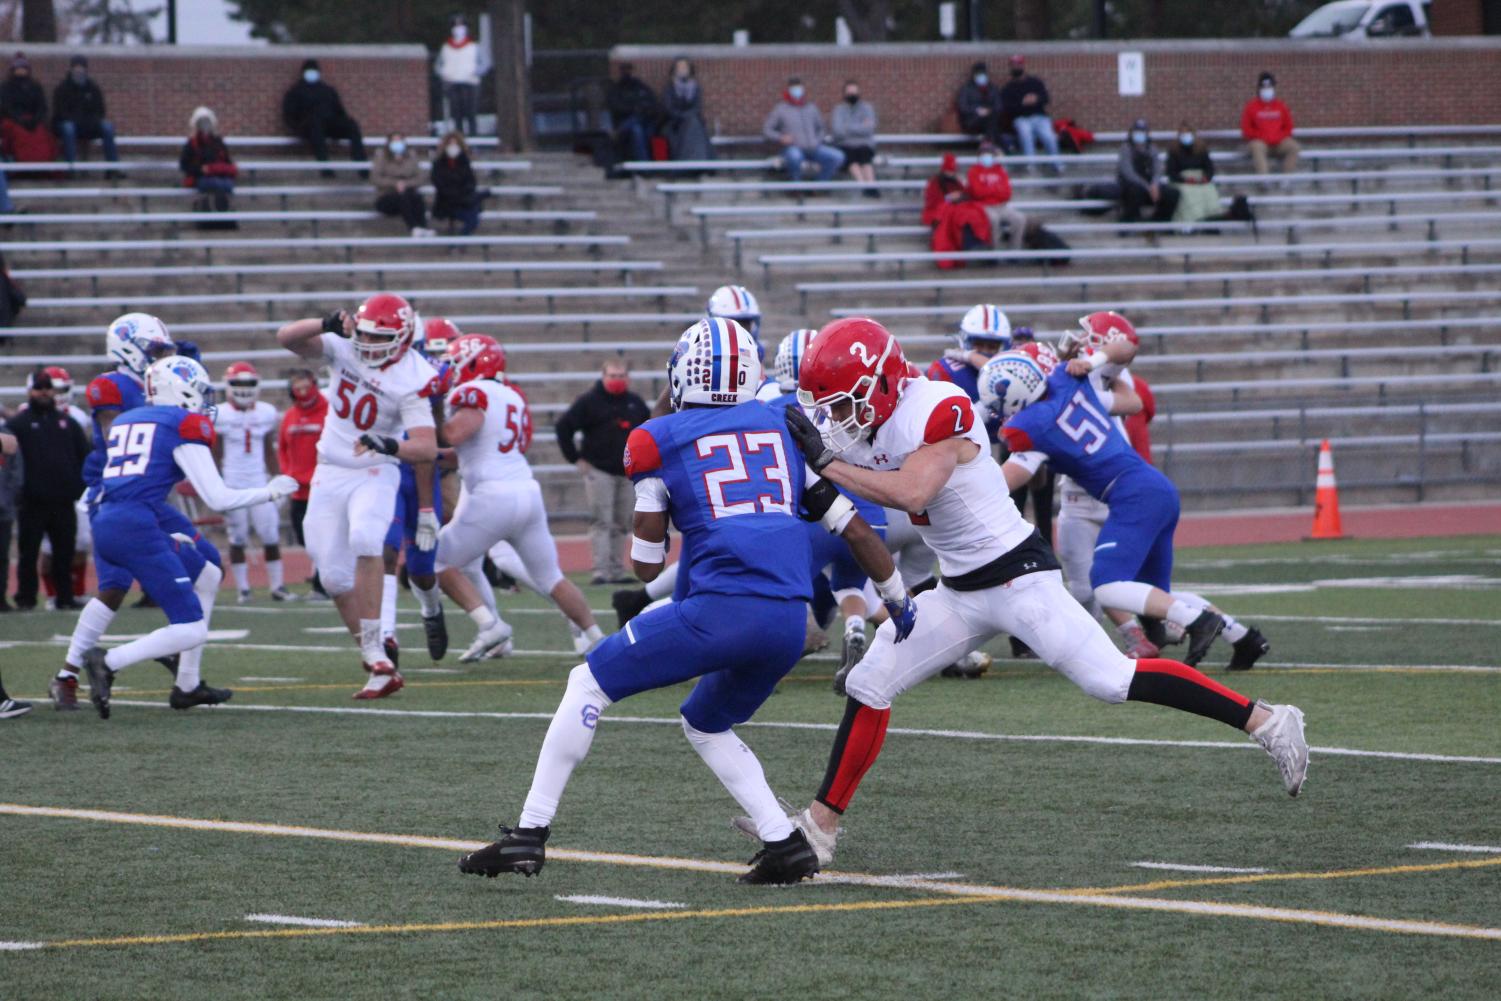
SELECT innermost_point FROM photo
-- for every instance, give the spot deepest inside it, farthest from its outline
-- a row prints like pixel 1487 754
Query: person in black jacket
pixel 634 113
pixel 979 105
pixel 605 416
pixel 53 447
pixel 23 116
pixel 1024 103
pixel 78 112
pixel 456 195
pixel 312 110
pixel 1137 174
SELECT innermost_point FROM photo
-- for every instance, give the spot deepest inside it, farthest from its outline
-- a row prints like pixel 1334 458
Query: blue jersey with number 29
pixel 735 483
pixel 138 464
pixel 1073 428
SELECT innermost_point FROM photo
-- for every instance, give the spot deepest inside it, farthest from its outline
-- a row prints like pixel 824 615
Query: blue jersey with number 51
pixel 735 482
pixel 138 464
pixel 1073 428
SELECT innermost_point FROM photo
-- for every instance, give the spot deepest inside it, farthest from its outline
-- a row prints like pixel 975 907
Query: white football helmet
pixel 1010 381
pixel 789 361
pixel 135 340
pixel 176 381
pixel 735 302
pixel 715 363
pixel 985 323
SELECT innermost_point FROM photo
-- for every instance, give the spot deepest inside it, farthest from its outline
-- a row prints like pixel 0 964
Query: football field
pixel 1016 838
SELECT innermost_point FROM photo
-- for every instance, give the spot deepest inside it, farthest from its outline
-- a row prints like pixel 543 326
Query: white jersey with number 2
pixel 379 401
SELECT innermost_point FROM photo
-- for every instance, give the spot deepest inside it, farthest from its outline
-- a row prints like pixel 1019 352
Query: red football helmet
pixel 1096 330
pixel 62 384
pixel 488 363
pixel 384 327
pixel 1043 354
pixel 854 363
pixel 243 383
pixel 437 334
pixel 466 348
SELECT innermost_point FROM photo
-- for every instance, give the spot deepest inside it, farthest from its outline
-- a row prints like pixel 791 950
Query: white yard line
pixel 1180 867
pixel 1374 620
pixel 287 919
pixel 21 946
pixel 287 681
pixel 830 728
pixel 1444 846
pixel 653 905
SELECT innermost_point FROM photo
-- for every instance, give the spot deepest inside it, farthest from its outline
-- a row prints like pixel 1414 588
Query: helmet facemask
pixel 844 434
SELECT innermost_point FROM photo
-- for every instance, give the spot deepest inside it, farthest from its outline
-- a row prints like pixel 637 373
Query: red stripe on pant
pixel 856 747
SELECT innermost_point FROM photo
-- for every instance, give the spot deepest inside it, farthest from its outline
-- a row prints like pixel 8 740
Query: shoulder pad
pixel 952 417
pixel 196 428
pixel 469 395
pixel 432 387
pixel 641 454
pixel 103 392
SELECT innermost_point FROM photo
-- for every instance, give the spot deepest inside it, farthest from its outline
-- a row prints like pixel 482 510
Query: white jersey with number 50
pixel 971 521
pixel 498 450
pixel 379 401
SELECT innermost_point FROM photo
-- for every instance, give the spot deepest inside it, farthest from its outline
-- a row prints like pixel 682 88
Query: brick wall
pixel 1457 17
pixel 152 90
pixel 1450 80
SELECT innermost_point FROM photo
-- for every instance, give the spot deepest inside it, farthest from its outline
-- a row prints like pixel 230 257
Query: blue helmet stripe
pixel 716 327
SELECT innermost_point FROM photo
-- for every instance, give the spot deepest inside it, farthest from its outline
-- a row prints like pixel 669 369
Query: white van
pixel 1360 19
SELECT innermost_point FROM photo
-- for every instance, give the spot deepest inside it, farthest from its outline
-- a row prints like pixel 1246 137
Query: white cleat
pixel 501 652
pixel 244 598
pixel 1282 737
pixel 822 841
pixel 488 641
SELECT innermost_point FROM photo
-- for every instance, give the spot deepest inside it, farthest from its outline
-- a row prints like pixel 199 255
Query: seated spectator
pixel 12 298
pixel 990 185
pixel 979 105
pixel 1266 124
pixel 683 104
pixel 634 114
pixel 1024 100
pixel 1191 171
pixel 795 122
pixel 854 129
pixel 457 66
pixel 78 112
pixel 206 165
pixel 23 112
pixel 456 196
pixel 397 177
pixel 957 222
pixel 1136 173
pixel 313 111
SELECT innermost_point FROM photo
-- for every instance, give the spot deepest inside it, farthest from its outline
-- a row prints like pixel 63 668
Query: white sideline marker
pixel 21 946
pixel 1444 846
pixel 1182 867
pixel 649 905
pixel 287 919
pixel 279 680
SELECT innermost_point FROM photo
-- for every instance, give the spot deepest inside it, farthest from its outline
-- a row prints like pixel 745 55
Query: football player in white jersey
pixel 378 388
pixel 490 428
pixel 246 443
pixel 919 446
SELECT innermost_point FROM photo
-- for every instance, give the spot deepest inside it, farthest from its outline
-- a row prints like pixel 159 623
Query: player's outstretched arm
pixel 197 464
pixel 304 337
pixel 911 488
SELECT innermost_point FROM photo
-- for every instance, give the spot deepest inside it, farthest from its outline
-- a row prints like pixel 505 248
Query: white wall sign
pixel 1131 73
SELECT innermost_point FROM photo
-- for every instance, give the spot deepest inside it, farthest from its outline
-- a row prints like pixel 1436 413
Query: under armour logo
pixel 881 459
pixel 1029 566
pixel 589 716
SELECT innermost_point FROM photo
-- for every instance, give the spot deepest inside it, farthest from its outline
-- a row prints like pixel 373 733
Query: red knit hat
pixel 950 162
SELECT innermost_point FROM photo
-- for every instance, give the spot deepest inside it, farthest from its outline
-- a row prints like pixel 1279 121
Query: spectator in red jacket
pixel 1136 424
pixel 956 220
pixel 297 445
pixel 207 166
pixel 1267 126
pixel 990 185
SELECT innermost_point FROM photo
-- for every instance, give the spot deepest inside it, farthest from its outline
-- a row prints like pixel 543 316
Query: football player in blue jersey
pixel 727 473
pixel 150 449
pixel 133 341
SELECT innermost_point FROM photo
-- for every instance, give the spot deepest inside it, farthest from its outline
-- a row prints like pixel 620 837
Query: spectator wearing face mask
pixel 205 163
pixel 1191 172
pixel 78 112
pixel 979 105
pixel 457 67
pixel 313 111
pixel 1266 124
pixel 990 185
pixel 854 131
pixel 795 123
pixel 683 105
pixel 397 176
pixel 1136 173
pixel 1024 100
pixel 24 136
pixel 634 112
pixel 456 194
pixel 297 448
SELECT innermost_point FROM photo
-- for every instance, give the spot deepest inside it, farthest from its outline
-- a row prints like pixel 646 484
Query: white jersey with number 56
pixel 498 450
pixel 379 401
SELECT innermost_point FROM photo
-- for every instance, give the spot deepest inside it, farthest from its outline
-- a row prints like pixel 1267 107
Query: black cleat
pixel 1248 650
pixel 850 654
pixel 393 651
pixel 782 863
pixel 101 680
pixel 1201 633
pixel 437 635
pixel 170 663
pixel 203 695
pixel 1155 631
pixel 520 849
pixel 629 603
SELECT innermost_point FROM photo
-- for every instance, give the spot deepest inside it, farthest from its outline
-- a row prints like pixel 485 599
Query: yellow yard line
pixel 1283 877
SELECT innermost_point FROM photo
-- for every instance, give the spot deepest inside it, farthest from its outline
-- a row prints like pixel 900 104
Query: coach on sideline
pixel 53 447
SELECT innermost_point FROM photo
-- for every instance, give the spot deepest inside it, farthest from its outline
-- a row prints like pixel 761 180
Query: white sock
pixel 584 639
pixel 430 599
pixel 371 647
pixel 1235 631
pixel 1125 595
pixel 1182 613
pixel 274 575
pixel 739 770
pixel 207 588
pixel 92 622
pixel 567 742
pixel 163 642
pixel 483 617
pixel 854 624
pixel 476 574
pixel 242 575
pixel 663 586
pixel 388 605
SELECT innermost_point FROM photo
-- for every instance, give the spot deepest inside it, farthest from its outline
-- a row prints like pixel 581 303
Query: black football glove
pixel 333 323
pixel 380 443
pixel 809 439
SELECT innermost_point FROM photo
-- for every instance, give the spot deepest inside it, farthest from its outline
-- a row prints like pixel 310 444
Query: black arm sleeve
pixel 817 500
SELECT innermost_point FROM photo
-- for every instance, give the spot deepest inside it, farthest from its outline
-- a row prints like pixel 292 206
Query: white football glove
pixel 281 487
pixel 185 540
pixel 427 529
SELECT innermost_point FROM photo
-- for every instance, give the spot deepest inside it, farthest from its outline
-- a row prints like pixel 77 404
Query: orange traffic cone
pixel 1326 498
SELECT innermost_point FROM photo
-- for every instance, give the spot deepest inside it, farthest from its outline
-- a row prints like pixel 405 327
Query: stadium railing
pixel 592 242
pixel 286 217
